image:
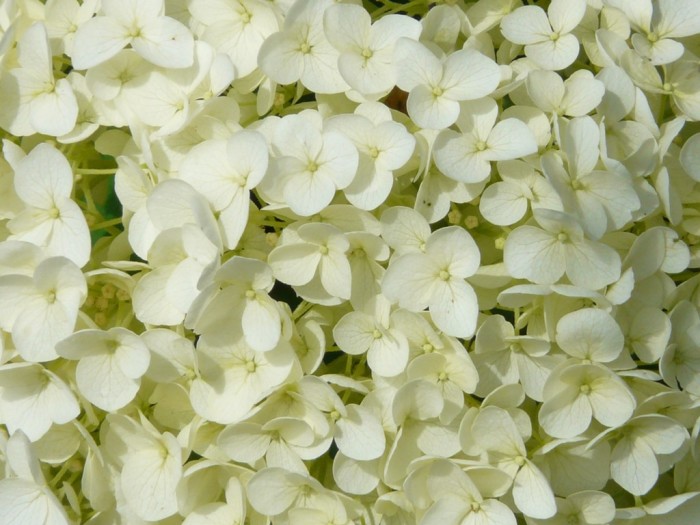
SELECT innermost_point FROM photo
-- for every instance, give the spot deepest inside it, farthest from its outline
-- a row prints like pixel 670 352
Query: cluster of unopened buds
pixel 305 262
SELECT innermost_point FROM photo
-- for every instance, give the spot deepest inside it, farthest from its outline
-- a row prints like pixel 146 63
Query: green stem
pixel 106 224
pixel 85 171
pixel 301 310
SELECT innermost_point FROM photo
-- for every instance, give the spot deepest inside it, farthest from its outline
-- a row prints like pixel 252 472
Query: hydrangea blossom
pixel 312 262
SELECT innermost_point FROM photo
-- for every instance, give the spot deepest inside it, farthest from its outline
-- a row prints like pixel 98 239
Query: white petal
pixel 234 218
pixel 526 25
pixel 611 401
pixel 165 42
pixel 415 65
pixel 54 113
pixel 320 73
pixel 149 479
pixel 336 276
pixel 533 254
pixel 43 177
pixel 591 264
pixel 244 442
pixel 590 334
pixel 70 235
pixel 510 139
pixel 454 308
pixel 261 323
pixel 347 26
pixel 469 75
pixel 532 494
pixel 431 111
pixel 280 58
pixel 102 382
pixel 353 333
pixel 678 18
pixel 409 280
pixel 452 248
pixel 294 264
pixel 554 54
pixel 359 434
pixel 26 503
pixel 502 204
pixel 546 89
pixel 151 303
pixel 98 40
pixel 388 355
pixel 583 94
pixel 565 15
pixel 355 477
pixel 633 466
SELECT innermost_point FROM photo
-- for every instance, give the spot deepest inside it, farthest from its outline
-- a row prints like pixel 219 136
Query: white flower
pixel 311 163
pixel 301 51
pixel 436 280
pixel 179 257
pixel 467 156
pixel 638 454
pixel 437 85
pixel 384 147
pixel 658 24
pixel 602 200
pixel 376 333
pixel 240 292
pixel 544 254
pixel 457 500
pixel 576 96
pixel 502 357
pixel 505 202
pixel 232 370
pixel 547 36
pixel 42 309
pixel 110 365
pixel 225 171
pixel 236 28
pixel 33 398
pixel 575 393
pixel 160 39
pixel 37 103
pixel 316 263
pixel 44 182
pixel 25 497
pixel 497 435
pixel 366 49
pixel 150 466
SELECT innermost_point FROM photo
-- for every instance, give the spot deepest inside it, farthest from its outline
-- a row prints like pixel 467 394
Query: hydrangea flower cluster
pixel 306 262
